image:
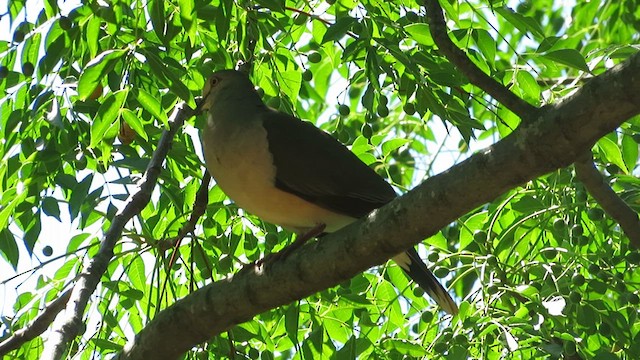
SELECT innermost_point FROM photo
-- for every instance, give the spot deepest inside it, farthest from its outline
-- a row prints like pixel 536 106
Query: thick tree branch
pixel 37 326
pixel 612 204
pixel 440 35
pixel 553 139
pixel 90 277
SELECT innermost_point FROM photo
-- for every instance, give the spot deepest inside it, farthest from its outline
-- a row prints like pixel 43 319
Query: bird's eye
pixel 214 81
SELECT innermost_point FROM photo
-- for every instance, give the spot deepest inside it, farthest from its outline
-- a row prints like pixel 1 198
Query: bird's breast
pixel 238 157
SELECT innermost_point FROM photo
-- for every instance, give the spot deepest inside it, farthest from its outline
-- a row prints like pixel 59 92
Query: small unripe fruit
pixel 441 272
pixel 578 280
pixel 550 253
pixel 576 230
pixel 559 224
pixel 595 214
pixel 47 250
pixel 27 69
pixel 575 297
pixel 367 131
pixel 344 110
pixel 18 36
pixel 65 23
pixel 307 75
pixel 480 236
pixel 382 110
pixel 427 316
pixel 274 102
pixel 409 108
pixel 581 196
pixel 314 57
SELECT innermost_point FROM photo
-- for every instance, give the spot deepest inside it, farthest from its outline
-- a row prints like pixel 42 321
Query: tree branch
pixel 553 139
pixel 199 208
pixel 90 277
pixel 611 203
pixel 37 326
pixel 440 35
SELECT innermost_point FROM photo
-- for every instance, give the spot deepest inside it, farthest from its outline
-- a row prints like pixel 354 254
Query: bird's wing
pixel 315 166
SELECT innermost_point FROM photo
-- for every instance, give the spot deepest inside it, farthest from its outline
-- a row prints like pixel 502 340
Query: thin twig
pixel 477 77
pixel 610 202
pixel 199 207
pixel 63 334
pixel 37 326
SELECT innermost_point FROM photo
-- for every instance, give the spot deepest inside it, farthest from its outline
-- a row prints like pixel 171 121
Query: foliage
pixel 540 272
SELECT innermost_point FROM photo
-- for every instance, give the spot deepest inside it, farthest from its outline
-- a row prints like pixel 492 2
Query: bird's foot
pixel 288 250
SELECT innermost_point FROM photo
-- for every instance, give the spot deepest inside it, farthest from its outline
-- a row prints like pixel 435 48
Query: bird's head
pixel 224 86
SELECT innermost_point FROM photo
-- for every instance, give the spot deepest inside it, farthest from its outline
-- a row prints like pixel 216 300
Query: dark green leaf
pixel 8 247
pixel 569 57
pixel 96 70
pixel 339 29
pixel 50 207
pixel 108 115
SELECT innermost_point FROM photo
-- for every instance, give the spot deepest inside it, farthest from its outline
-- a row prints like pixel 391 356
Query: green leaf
pixel 9 248
pixel 612 153
pixel 274 5
pixel 338 30
pixel 93 31
pixel 527 204
pixel 108 115
pixel 438 240
pixel 106 344
pixel 629 152
pixel 96 70
pixel 569 57
pixel 8 210
pixel 528 86
pixel 152 105
pixel 473 223
pixel 523 23
pixel 420 33
pixel 291 318
pixel 486 44
pixel 136 272
pixel 156 12
pixel 134 121
pixel 187 16
pixel 290 83
pixel 393 144
pixel 50 207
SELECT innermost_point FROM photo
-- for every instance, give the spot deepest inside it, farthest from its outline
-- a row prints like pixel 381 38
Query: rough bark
pixel 554 138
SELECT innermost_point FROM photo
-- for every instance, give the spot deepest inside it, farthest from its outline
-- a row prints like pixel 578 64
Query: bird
pixel 290 173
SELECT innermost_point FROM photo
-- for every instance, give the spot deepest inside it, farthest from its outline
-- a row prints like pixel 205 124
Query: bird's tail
pixel 417 270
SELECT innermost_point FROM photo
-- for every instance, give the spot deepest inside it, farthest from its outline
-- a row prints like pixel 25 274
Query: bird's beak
pixel 203 105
